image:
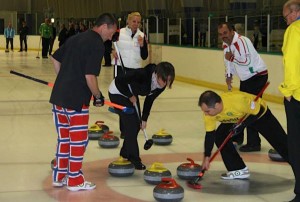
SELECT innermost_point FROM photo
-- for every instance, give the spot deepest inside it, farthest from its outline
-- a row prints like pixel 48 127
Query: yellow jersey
pixel 291 54
pixel 235 105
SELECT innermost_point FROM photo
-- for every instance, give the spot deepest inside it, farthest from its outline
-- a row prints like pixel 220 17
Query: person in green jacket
pixel 45 31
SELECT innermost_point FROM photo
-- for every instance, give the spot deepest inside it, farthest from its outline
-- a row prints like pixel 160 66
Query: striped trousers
pixel 72 139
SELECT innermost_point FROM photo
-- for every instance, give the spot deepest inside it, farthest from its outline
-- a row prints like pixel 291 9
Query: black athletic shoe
pixel 138 165
pixel 250 148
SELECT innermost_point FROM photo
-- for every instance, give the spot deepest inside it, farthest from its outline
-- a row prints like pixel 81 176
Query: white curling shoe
pixel 236 174
pixel 61 183
pixel 84 186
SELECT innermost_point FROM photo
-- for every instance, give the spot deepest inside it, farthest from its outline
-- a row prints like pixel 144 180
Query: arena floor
pixel 28 139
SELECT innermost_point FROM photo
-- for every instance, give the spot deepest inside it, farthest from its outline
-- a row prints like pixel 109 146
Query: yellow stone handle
pixel 162 132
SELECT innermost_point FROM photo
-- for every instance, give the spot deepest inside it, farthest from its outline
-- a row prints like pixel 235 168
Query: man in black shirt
pixel 77 64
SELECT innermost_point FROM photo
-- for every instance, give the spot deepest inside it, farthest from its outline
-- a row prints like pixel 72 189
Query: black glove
pixel 98 100
pixel 239 127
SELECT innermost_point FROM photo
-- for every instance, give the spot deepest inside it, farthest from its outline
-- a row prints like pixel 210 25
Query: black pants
pixel 119 71
pixel 45 46
pixel 292 110
pixel 23 39
pixel 52 40
pixel 202 39
pixel 252 86
pixel 268 126
pixel 130 127
pixel 11 41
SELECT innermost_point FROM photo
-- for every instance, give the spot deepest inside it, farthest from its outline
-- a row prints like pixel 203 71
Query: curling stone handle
pixel 191 160
pixel 108 132
pixel 156 165
pixel 99 122
pixel 167 179
pixel 170 181
pixel 161 131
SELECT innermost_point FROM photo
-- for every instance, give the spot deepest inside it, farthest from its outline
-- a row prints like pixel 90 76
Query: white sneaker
pixel 236 174
pixel 84 186
pixel 61 183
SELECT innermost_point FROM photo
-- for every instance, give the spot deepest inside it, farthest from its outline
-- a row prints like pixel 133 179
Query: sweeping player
pixel 228 109
pixel 150 82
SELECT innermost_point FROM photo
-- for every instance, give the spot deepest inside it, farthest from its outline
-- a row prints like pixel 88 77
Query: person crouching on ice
pixel 227 109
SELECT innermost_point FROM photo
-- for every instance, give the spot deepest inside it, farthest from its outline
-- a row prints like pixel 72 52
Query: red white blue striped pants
pixel 72 131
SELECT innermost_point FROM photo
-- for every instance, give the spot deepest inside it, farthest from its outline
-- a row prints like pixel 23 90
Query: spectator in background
pixel 71 30
pixel 46 34
pixel 203 29
pixel 9 34
pixel 63 35
pixel 52 40
pixel 77 29
pixel 256 37
pixel 23 36
pixel 82 27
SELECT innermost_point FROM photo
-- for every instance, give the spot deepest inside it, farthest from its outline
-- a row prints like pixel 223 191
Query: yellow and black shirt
pixel 235 106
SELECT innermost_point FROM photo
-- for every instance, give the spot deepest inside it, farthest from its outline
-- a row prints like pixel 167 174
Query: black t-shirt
pixel 80 55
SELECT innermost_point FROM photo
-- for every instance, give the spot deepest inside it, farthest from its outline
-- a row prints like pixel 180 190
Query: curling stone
pixel 274 156
pixel 53 163
pixel 168 190
pixel 188 171
pixel 97 130
pixel 108 141
pixel 154 174
pixel 121 168
pixel 162 138
pixel 105 128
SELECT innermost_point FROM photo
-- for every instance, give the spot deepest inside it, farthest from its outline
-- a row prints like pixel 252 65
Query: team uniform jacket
pixel 291 61
pixel 245 62
pixel 140 82
pixel 235 105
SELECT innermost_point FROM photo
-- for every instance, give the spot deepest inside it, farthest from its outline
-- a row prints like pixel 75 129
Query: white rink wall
pixel 193 65
pixel 32 42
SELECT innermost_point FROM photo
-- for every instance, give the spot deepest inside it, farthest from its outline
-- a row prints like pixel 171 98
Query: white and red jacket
pixel 246 62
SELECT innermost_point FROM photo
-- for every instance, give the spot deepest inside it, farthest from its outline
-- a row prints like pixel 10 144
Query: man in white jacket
pixel 241 59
